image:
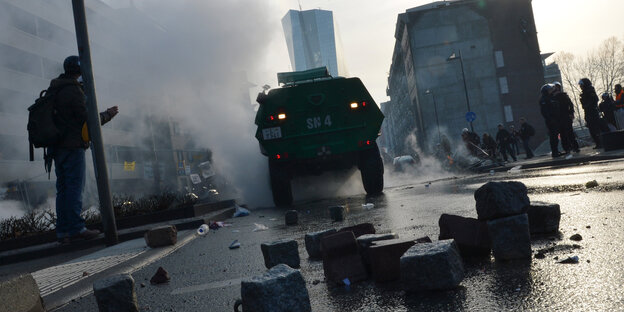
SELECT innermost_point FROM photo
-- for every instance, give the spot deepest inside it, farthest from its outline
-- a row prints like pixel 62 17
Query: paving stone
pixel 431 266
pixel 313 242
pixel 20 294
pixel 279 289
pixel 161 236
pixel 359 229
pixel 282 251
pixel 384 257
pixel 544 218
pixel 470 235
pixel 116 294
pixel 341 258
pixel 291 217
pixel 337 213
pixel 160 277
pixel 510 237
pixel 501 199
pixel 365 241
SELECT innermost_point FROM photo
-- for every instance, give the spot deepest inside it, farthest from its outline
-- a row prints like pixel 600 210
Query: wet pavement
pixel 205 274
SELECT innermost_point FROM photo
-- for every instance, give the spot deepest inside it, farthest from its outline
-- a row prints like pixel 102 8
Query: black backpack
pixel 43 129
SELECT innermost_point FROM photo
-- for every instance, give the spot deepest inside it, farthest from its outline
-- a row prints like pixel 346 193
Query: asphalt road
pixel 205 274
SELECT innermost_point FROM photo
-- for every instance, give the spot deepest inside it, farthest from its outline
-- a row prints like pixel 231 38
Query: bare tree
pixel 609 59
pixel 568 67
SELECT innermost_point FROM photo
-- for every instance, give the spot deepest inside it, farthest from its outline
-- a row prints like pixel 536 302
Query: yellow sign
pixel 129 166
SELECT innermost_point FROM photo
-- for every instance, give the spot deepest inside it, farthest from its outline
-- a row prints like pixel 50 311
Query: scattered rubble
pixel 576 237
pixel 282 251
pixel 368 206
pixel 591 184
pixel 116 293
pixel 20 293
pixel 544 218
pixel 235 244
pixel 161 236
pixel 260 227
pixel 279 289
pixel 431 266
pixel 359 229
pixel 470 235
pixel 313 242
pixel 337 213
pixel 501 199
pixel 240 212
pixel 366 241
pixel 510 237
pixel 573 259
pixel 291 217
pixel 160 277
pixel 384 257
pixel 341 258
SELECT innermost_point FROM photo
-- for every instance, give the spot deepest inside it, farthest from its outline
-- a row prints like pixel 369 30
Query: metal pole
pixel 461 63
pixel 435 110
pixel 93 124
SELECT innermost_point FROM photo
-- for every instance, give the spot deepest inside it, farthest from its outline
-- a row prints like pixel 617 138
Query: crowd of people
pixel 505 142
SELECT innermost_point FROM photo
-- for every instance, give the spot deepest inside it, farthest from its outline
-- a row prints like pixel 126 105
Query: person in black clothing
pixel 489 145
pixel 472 141
pixel 526 132
pixel 607 108
pixel 589 101
pixel 503 139
pixel 515 136
pixel 566 117
pixel 550 111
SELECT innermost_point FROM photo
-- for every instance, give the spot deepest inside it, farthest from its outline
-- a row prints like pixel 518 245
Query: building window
pixel 504 88
pixel 508 113
pixel 500 62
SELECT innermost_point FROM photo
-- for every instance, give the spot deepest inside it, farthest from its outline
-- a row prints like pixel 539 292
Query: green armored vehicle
pixel 316 123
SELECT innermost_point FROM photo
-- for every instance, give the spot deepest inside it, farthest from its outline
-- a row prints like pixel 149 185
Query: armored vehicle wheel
pixel 280 184
pixel 372 170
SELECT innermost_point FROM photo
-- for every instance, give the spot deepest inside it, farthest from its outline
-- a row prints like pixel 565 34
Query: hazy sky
pixel 367 31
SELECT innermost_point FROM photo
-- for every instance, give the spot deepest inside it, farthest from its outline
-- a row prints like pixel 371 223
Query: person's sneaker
pixel 86 234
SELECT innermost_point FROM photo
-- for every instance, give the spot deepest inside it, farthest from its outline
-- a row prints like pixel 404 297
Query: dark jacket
pixel 566 107
pixel 526 131
pixel 503 137
pixel 488 143
pixel 607 107
pixel 70 102
pixel 549 108
pixel 589 101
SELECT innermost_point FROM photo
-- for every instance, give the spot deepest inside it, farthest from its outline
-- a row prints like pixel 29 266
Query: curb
pixel 50 249
pixel 555 162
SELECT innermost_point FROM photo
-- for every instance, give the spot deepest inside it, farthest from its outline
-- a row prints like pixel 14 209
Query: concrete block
pixel 291 217
pixel 470 235
pixel 384 258
pixel 613 140
pixel 116 293
pixel 510 237
pixel 20 294
pixel 161 236
pixel 359 229
pixel 341 258
pixel 337 213
pixel 501 199
pixel 279 289
pixel 282 251
pixel 432 266
pixel 366 240
pixel 313 242
pixel 544 218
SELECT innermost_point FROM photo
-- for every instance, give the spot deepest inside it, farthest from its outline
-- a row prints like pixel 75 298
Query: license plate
pixel 272 133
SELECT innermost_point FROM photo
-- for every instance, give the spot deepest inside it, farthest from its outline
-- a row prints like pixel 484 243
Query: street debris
pixel 203 229
pixel 341 258
pixel 260 227
pixel 280 289
pixel 573 259
pixel 384 257
pixel 272 219
pixel 368 206
pixel 591 184
pixel 235 244
pixel 510 237
pixel 240 212
pixel 432 266
pixel 161 276
pixel 85 273
pixel 291 217
pixel 116 293
pixel 515 169
pixel 337 213
pixel 160 236
pixel 215 225
pixel 347 283
pixel 544 217
pixel 576 237
pixel 313 242
pixel 359 229
pixel 470 235
pixel 282 251
pixel 540 255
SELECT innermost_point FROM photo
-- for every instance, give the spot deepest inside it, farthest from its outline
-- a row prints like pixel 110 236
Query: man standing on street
pixel 69 153
pixel 503 138
pixel 526 132
pixel 566 117
pixel 589 101
pixel 619 106
pixel 550 112
pixel 607 108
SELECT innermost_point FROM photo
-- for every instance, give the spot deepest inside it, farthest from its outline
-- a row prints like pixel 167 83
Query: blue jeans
pixel 69 165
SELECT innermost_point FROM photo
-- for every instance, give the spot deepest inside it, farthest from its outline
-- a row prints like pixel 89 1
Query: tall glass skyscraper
pixel 313 41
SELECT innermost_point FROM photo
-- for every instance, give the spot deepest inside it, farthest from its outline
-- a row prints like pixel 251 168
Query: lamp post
pixel 435 110
pixel 461 63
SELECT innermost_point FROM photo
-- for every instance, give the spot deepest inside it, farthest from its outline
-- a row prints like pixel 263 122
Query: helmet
pixel 465 130
pixel 558 85
pixel 605 96
pixel 71 65
pixel 546 88
pixel 585 83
